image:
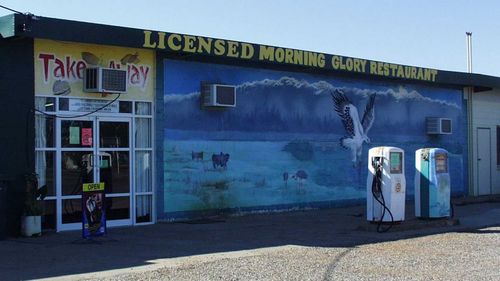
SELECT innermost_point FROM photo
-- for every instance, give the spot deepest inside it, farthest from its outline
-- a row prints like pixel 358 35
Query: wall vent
pixel 104 80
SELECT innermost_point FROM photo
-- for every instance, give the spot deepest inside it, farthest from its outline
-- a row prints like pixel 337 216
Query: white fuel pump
pixel 385 185
pixel 432 183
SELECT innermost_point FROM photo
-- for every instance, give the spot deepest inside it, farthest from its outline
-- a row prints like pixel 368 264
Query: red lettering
pixel 80 67
pixel 59 69
pixel 134 74
pixel 70 68
pixel 46 59
pixel 144 74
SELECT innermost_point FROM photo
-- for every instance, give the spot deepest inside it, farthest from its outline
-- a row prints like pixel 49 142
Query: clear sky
pixel 426 33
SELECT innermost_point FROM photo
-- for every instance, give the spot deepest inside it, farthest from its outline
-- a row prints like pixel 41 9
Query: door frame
pixel 130 150
pixel 95 150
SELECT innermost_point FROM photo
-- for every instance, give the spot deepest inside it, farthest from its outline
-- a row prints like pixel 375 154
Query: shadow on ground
pixel 61 254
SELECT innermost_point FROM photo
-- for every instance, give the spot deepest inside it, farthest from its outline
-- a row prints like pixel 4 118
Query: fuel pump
pixel 432 183
pixel 385 185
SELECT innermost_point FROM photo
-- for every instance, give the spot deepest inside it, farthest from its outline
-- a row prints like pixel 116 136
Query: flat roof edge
pixel 234 52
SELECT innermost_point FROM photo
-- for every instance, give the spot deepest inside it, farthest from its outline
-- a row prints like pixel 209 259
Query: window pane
pixel 44 131
pixel 76 170
pixel 143 108
pixel 72 211
pixel 45 104
pixel 143 208
pixel 143 133
pixel 63 104
pixel 114 134
pixel 143 171
pixel 117 208
pixel 125 107
pixel 76 133
pixel 115 171
pixel 49 214
pixel 45 169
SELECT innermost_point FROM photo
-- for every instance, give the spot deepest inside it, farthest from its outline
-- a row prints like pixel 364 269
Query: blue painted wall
pixel 281 144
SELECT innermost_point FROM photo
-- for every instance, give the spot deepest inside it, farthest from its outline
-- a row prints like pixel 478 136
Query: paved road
pixel 335 244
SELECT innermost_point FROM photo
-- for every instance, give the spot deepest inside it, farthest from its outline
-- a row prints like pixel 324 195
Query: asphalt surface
pixel 334 244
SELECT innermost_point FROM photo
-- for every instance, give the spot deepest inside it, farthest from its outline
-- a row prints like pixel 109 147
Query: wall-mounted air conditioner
pixel 104 80
pixel 438 126
pixel 218 95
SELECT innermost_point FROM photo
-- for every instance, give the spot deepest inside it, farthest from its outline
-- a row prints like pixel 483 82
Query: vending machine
pixel 432 183
pixel 385 185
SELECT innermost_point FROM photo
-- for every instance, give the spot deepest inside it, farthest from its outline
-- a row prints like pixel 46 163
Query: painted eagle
pixel 357 131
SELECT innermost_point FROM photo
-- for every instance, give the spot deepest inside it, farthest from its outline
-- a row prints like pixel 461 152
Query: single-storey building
pixel 181 126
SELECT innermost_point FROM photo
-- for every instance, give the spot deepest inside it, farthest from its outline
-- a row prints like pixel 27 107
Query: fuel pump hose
pixel 376 192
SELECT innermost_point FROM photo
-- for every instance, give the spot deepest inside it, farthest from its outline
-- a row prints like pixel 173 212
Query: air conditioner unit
pixel 218 95
pixel 438 126
pixel 104 80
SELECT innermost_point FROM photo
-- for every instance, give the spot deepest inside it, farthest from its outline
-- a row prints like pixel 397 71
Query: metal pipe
pixel 469 51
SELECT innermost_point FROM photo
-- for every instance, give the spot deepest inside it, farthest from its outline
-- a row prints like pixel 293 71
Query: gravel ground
pixel 450 256
pixel 447 256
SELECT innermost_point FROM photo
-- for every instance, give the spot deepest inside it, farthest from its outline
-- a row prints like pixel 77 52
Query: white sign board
pixel 84 105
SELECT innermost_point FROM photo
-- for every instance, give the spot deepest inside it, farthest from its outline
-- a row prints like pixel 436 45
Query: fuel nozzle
pixel 377 163
pixel 377 177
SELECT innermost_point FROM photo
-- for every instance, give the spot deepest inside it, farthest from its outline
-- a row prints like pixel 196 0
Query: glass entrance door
pixel 92 150
pixel 114 168
pixel 75 167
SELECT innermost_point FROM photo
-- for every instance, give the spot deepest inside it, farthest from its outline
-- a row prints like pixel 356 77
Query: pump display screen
pixel 441 163
pixel 395 162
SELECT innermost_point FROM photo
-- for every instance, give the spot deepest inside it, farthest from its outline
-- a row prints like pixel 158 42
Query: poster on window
pixel 94 211
pixel 87 136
